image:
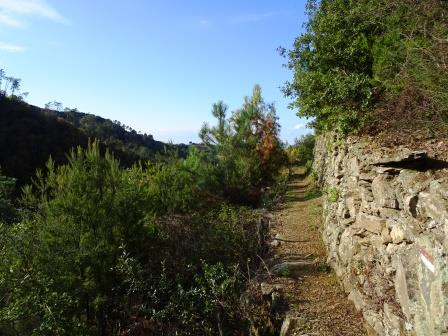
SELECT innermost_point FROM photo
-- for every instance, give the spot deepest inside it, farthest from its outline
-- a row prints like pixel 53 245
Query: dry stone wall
pixel 386 231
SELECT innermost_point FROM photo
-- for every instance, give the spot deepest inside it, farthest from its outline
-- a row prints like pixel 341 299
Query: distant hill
pixel 29 135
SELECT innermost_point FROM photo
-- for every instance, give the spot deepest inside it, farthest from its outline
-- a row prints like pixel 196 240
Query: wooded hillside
pixel 29 135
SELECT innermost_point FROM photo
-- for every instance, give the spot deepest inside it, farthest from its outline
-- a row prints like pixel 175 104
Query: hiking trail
pixel 317 305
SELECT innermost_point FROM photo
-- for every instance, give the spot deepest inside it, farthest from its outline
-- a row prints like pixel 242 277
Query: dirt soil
pixel 316 301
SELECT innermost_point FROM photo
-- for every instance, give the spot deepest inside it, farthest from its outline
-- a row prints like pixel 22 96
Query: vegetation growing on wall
pixel 368 65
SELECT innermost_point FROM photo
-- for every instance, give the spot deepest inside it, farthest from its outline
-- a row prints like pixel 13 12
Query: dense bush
pixel 61 267
pixel 103 250
pixel 371 64
pixel 65 267
pixel 7 208
pixel 302 151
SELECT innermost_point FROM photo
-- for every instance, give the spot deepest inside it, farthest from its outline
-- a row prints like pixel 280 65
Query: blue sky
pixel 155 65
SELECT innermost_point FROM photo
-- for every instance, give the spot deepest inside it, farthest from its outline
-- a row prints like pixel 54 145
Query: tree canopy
pixel 371 64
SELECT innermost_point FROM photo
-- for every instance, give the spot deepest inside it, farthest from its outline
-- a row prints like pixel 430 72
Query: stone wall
pixel 386 231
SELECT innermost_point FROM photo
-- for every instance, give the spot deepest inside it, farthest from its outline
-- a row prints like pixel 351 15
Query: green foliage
pixel 98 249
pixel 209 307
pixel 98 246
pixel 303 149
pixel 365 61
pixel 29 135
pixel 324 267
pixel 309 166
pixel 331 194
pixel 170 188
pixel 246 147
pixel 283 271
pixel 313 193
pixel 7 209
pixel 275 194
pixel 84 212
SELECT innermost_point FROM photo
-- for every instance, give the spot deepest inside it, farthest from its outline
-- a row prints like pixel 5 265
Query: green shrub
pixel 304 149
pixel 84 212
pixel 7 209
pixel 313 193
pixel 324 267
pixel 332 194
pixel 100 249
pixel 309 167
pixel 283 271
pixel 275 194
pixel 365 62
pixel 99 244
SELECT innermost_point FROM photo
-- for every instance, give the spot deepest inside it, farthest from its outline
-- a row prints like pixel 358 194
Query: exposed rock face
pixel 387 232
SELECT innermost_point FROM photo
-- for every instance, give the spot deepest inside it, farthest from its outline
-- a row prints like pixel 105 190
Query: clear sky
pixel 155 65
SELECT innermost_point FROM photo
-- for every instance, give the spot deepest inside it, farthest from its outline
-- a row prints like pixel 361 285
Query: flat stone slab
pixel 405 156
pixel 292 268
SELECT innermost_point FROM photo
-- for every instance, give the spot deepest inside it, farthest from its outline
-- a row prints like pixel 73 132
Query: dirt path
pixel 317 305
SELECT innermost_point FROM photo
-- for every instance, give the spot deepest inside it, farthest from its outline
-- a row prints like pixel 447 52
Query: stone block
pixel 352 206
pixel 401 286
pixel 385 235
pixel 384 192
pixel 439 188
pixel 393 324
pixel 400 230
pixel 412 181
pixel 433 206
pixel 372 224
pixel 366 177
pixel 358 299
pixel 400 155
pixel 373 319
